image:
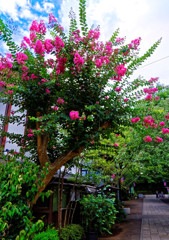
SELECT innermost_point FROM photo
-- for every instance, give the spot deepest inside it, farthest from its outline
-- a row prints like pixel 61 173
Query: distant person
pixel 156 194
pixel 162 194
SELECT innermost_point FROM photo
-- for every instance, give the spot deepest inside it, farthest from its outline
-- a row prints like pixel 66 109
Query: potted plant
pixel 98 214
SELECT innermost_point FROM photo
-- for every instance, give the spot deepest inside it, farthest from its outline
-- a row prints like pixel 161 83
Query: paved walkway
pixel 155 219
pixel 147 221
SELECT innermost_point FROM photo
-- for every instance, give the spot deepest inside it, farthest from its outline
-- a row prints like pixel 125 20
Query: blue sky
pixel 148 19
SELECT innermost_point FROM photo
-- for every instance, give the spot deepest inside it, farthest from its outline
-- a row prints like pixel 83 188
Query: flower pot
pixel 91 236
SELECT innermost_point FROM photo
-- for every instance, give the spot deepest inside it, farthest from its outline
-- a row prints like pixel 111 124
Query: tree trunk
pixel 54 167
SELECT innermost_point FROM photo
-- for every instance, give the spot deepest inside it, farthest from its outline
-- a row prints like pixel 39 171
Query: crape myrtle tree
pixel 72 88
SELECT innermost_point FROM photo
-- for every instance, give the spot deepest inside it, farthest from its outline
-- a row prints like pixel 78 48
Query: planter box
pixel 127 210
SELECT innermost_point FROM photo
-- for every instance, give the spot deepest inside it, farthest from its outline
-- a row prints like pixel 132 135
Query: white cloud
pixel 11 7
pixel 147 19
pixel 37 7
pixel 48 6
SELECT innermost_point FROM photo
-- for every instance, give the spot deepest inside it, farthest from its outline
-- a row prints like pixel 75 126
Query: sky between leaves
pixel 148 19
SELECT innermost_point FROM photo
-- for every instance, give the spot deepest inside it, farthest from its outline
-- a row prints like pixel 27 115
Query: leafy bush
pixel 121 215
pixel 72 232
pixel 98 213
pixel 17 189
pixel 49 234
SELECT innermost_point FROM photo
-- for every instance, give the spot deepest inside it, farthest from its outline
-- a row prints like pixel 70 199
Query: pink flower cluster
pixel 153 80
pixel 78 60
pixel 2 84
pixel 162 124
pixel 39 47
pixel 116 145
pixel 150 90
pixel 93 34
pixel 167 116
pixel 149 121
pixel 126 100
pixel 21 58
pixel 74 115
pixel 61 65
pixel 60 101
pixel 52 18
pixel 165 130
pixel 135 43
pixel 158 139
pixel 120 70
pixel 147 139
pixel 134 120
pixel 118 89
pixel 30 133
pixel 48 45
pixel 38 27
pixel 148 97
pixel 59 44
pixel 55 108
pixel 119 40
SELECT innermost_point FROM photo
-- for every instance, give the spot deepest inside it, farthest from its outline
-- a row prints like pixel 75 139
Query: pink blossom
pixel 126 100
pixel 156 98
pixel 135 43
pixel 92 142
pixel 59 44
pixel 2 84
pixel 113 176
pixel 34 27
pixel 117 89
pixel 116 145
pixel 48 45
pixel 165 130
pixel 148 97
pixel 55 108
pixel 21 58
pixel 41 27
pixel 60 101
pixel 106 97
pixel 93 34
pixel 39 47
pixel 74 115
pixel 61 65
pixel 150 90
pixel 30 133
pixel 162 124
pixel 32 36
pixel 47 90
pixel 147 139
pixel 33 76
pixel 52 18
pixel 98 63
pixel 158 139
pixel 78 60
pixel 134 120
pixel 119 40
pixel 120 70
pixel 153 79
pixel 167 116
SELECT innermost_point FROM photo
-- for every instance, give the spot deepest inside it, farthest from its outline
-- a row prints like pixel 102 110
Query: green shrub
pixel 72 232
pixel 49 234
pixel 98 213
pixel 17 188
pixel 121 215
